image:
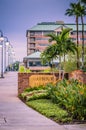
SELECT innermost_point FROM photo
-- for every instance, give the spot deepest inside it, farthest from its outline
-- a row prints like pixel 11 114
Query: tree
pixel 62 44
pixel 82 10
pixel 67 44
pixel 82 14
pixel 50 53
pixel 83 1
pixel 74 11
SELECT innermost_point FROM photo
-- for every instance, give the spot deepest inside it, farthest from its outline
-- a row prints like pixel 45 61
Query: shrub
pixel 69 66
pixel 34 93
pixel 41 87
pixel 70 95
pixel 22 69
pixel 47 70
pixel 50 70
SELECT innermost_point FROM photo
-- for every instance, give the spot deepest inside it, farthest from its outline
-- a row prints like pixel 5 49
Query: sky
pixel 17 16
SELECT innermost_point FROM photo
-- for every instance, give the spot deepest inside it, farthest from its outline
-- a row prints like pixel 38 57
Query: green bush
pixel 22 69
pixel 41 87
pixel 69 66
pixel 34 93
pixel 50 70
pixel 71 95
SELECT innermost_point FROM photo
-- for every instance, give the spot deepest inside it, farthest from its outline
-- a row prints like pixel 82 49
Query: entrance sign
pixel 37 80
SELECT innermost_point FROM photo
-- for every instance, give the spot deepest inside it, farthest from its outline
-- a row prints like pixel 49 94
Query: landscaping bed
pixel 64 102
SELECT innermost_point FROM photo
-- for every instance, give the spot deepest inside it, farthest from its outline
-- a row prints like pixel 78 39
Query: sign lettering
pixel 37 80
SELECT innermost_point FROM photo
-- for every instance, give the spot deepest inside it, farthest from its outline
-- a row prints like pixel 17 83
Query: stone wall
pixel 79 75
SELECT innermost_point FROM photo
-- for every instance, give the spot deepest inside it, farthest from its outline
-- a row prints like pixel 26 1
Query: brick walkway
pixel 15 115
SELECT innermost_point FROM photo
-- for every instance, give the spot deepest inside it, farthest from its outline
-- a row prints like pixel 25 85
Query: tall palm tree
pixel 82 10
pixel 83 13
pixel 74 11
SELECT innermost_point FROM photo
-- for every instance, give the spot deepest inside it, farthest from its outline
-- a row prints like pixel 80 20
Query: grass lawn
pixel 49 109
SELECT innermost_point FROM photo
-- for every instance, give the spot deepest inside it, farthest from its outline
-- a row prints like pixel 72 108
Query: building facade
pixel 33 62
pixel 38 41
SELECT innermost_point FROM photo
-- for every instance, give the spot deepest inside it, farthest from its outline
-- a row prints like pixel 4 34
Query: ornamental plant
pixel 22 69
pixel 71 95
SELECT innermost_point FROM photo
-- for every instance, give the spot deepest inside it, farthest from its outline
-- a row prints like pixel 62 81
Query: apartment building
pixel 38 41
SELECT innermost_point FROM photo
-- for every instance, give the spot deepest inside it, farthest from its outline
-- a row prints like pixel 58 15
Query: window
pixel 47 32
pixel 34 63
pixel 58 33
pixel 30 63
pixel 32 45
pixel 38 63
pixel 82 38
pixel 39 38
pixel 32 39
pixel 85 32
pixel 43 44
pixel 38 33
pixel 32 33
pixel 32 50
pixel 74 39
pixel 73 33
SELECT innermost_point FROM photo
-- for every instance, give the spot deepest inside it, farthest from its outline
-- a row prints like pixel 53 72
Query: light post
pixel 11 55
pixel 6 43
pixel 8 57
pixel 1 45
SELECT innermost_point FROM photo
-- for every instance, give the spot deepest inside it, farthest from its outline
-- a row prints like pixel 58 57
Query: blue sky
pixel 16 16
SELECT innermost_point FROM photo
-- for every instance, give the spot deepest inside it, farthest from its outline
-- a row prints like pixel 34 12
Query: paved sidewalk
pixel 15 115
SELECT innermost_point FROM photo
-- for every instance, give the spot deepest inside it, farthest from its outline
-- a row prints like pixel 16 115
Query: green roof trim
pixel 33 55
pixel 51 26
pixel 44 27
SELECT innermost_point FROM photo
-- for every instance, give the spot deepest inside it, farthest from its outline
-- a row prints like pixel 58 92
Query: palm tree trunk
pixel 77 43
pixel 59 67
pixel 64 57
pixel 82 41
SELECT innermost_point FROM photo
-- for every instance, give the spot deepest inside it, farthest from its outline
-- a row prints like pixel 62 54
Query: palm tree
pixel 83 1
pixel 69 46
pixel 74 11
pixel 50 53
pixel 61 46
pixel 59 40
pixel 67 43
pixel 82 10
pixel 82 14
